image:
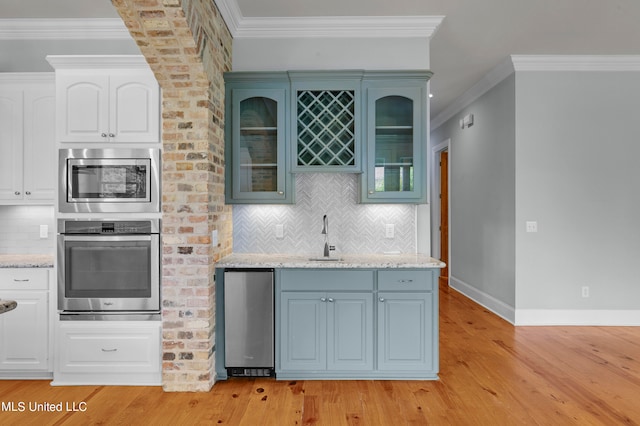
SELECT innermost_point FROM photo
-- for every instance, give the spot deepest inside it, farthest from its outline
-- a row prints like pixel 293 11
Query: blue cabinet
pixel 329 326
pixel 396 138
pixel 326 332
pixel 256 139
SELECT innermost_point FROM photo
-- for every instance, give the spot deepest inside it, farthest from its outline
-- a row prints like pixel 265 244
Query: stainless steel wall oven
pixel 108 266
pixel 109 181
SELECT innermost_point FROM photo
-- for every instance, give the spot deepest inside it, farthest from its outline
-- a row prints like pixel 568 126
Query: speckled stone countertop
pixel 7 305
pixel 378 261
pixel 26 260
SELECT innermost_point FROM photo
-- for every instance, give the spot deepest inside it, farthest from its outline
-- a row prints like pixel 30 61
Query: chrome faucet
pixel 325 232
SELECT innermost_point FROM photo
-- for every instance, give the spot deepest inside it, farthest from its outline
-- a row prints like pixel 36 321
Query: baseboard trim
pixel 548 317
pixel 496 306
pixel 578 317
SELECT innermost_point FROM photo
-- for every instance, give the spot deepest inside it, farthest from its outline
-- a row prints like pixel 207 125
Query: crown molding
pixel 325 26
pixel 520 63
pixel 493 77
pixel 63 29
pixel 576 62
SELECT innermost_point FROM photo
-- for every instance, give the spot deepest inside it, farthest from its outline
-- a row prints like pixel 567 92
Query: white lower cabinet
pixel 108 353
pixel 25 331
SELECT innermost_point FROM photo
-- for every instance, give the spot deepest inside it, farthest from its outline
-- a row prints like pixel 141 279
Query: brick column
pixel 188 47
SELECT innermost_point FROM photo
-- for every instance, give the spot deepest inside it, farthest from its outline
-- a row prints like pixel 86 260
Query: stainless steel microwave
pixel 109 181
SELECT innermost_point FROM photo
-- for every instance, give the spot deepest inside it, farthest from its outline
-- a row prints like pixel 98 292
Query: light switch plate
pixel 280 231
pixel 389 230
pixel 214 238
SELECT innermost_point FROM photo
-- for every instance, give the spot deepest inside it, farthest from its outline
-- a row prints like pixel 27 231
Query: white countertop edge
pixel 378 261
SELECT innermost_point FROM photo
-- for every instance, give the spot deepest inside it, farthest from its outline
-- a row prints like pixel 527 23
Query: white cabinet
pixel 106 99
pixel 108 353
pixel 27 138
pixel 24 331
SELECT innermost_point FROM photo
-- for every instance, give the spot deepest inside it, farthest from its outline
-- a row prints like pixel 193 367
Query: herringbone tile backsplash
pixel 353 228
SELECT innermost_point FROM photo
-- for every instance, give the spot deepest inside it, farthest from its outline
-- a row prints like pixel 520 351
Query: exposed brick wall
pixel 188 47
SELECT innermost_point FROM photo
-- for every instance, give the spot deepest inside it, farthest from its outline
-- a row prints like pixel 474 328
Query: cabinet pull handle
pixel 331 300
pixel 323 299
pixel 110 350
pixel 17 193
pixel 104 135
pixel 25 280
pixel 405 281
pixel 381 299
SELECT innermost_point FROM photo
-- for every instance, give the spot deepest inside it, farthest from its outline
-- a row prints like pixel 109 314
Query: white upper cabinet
pixel 27 138
pixel 106 99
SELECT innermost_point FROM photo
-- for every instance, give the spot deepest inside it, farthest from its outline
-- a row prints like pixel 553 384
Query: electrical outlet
pixel 389 230
pixel 280 231
pixel 214 238
pixel 532 226
pixel 44 231
pixel 585 291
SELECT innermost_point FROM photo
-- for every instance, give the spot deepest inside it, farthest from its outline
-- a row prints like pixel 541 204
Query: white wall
pixel 578 148
pixel 482 198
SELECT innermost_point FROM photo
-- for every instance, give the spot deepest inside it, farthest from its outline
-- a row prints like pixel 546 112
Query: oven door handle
pixel 108 238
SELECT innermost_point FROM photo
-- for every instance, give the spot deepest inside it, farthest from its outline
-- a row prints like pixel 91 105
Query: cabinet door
pixel 395 139
pixel 11 135
pixel 350 331
pixel 134 106
pixel 24 331
pixel 303 331
pixel 39 144
pixel 82 107
pixel 405 331
pixel 258 147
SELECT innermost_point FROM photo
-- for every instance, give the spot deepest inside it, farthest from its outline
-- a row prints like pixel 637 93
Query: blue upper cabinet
pixel 326 133
pixel 396 138
pixel 256 111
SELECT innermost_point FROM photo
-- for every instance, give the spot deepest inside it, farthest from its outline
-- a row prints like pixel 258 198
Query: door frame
pixel 435 205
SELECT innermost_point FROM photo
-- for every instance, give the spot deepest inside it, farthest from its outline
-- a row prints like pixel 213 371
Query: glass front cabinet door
pixel 256 139
pixel 396 145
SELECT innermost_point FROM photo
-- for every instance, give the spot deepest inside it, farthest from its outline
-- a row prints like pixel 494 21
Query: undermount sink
pixel 326 259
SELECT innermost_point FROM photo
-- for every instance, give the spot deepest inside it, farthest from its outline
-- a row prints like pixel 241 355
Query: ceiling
pixel 474 37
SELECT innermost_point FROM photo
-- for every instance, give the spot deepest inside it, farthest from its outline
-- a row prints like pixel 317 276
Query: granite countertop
pixel 7 305
pixel 259 260
pixel 26 260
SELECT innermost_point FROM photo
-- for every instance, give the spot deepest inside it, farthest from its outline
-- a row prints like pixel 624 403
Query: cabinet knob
pixel 28 192
pixel 112 135
pixel 331 300
pixel 104 135
pixel 280 192
pixel 370 192
pixel 323 299
pixel 381 299
pixel 16 193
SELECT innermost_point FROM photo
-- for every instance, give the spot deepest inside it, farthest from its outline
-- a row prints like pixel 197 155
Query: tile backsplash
pixel 20 230
pixel 353 228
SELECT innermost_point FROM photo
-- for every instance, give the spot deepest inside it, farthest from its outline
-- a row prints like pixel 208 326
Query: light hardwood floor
pixel 491 373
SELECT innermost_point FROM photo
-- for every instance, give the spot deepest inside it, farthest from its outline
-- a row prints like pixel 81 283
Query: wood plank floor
pixel 491 374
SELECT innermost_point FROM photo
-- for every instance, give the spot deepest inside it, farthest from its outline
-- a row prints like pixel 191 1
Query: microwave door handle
pixel 108 238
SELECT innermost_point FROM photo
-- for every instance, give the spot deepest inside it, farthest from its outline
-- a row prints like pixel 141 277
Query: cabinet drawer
pixel 109 349
pixel 24 279
pixel 410 280
pixel 326 280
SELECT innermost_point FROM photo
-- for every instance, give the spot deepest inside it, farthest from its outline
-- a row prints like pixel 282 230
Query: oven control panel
pixel 106 227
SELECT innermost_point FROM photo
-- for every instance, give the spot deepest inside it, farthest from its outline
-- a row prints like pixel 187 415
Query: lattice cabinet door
pixel 258 173
pixel 326 133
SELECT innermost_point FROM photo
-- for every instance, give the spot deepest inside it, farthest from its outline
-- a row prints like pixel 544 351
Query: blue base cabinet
pixel 328 326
